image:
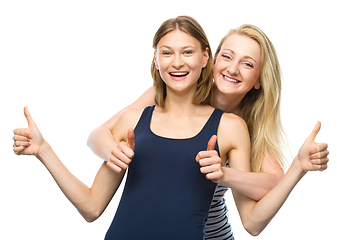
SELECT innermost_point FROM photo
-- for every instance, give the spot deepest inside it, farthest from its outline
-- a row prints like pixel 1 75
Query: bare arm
pixel 101 141
pixel 90 202
pixel 251 184
pixel 255 216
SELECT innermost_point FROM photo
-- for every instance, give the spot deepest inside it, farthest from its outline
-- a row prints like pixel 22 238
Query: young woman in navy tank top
pixel 237 89
pixel 168 190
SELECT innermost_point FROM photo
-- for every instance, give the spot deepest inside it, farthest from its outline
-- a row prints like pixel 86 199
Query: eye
pixel 226 56
pixel 188 52
pixel 166 53
pixel 247 64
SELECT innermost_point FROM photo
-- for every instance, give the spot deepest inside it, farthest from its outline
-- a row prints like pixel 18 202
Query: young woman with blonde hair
pixel 250 87
pixel 260 106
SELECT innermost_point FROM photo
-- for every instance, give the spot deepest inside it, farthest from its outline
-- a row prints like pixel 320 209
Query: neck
pixel 180 103
pixel 226 102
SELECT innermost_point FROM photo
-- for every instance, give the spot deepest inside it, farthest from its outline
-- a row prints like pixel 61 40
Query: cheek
pixel 218 68
pixel 251 77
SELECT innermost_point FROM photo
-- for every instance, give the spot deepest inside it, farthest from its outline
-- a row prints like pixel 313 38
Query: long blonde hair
pixel 192 27
pixel 260 108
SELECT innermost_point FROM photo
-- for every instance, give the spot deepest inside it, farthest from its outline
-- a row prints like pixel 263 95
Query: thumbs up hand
pixel 313 156
pixel 27 141
pixel 210 162
pixel 122 154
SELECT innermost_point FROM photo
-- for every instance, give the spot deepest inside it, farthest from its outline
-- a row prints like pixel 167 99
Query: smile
pixel 233 80
pixel 179 74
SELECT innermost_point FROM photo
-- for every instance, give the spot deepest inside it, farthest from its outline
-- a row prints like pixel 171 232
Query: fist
pixel 122 154
pixel 210 162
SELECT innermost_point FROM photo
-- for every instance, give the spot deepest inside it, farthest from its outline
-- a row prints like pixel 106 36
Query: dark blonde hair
pixel 260 108
pixel 193 28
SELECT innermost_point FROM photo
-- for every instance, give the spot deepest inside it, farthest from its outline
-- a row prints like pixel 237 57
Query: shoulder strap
pixel 145 119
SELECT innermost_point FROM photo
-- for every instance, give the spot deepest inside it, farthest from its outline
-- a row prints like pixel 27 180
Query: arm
pixel 90 202
pixel 101 141
pixel 255 216
pixel 253 185
pixel 234 143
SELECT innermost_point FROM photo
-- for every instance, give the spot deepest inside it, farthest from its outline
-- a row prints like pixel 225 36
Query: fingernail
pixel 29 136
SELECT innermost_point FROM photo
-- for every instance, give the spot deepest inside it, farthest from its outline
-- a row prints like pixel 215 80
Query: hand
pixel 313 156
pixel 27 141
pixel 210 162
pixel 122 154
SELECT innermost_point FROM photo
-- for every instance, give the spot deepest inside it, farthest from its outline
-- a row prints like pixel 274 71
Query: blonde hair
pixel 260 108
pixel 191 27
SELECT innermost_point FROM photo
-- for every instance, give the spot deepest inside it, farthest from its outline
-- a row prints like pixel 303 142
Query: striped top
pixel 217 224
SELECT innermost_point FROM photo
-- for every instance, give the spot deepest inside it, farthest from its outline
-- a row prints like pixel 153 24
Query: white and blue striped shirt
pixel 217 225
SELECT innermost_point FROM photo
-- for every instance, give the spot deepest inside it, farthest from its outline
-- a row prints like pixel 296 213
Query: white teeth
pixel 178 73
pixel 231 79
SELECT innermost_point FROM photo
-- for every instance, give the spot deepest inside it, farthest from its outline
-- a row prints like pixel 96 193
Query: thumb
pixel 29 118
pixel 131 139
pixel 211 143
pixel 314 132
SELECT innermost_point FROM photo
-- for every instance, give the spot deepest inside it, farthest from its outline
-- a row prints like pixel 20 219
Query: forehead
pixel 242 45
pixel 178 38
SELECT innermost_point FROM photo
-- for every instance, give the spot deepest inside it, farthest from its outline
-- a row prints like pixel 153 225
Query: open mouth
pixel 178 74
pixel 233 80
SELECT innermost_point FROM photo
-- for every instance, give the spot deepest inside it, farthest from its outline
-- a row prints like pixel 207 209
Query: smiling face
pixel 180 59
pixel 237 67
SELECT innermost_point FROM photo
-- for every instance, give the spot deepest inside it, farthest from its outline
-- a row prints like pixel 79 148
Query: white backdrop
pixel 76 63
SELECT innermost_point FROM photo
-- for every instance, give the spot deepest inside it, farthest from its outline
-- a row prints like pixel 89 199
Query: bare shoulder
pixel 128 119
pixel 130 116
pixel 232 122
pixel 232 132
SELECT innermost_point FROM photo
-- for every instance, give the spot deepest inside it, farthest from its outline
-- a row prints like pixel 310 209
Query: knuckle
pixel 114 151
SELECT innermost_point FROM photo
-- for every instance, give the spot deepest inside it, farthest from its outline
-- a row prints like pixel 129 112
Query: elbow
pixel 91 217
pixel 254 233
pixel 90 138
pixel 252 229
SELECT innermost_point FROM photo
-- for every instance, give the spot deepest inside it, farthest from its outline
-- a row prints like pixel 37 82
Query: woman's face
pixel 180 59
pixel 237 67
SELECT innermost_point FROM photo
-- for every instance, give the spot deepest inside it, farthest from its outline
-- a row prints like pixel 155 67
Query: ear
pixel 155 60
pixel 257 85
pixel 206 57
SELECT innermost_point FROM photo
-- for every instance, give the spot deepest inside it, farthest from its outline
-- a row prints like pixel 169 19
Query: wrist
pixel 297 166
pixel 225 178
pixel 43 151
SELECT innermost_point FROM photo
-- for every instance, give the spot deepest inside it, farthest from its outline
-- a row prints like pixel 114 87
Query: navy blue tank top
pixel 165 195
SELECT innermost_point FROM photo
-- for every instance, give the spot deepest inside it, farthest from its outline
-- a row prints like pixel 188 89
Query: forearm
pixel 76 191
pixel 253 185
pixel 101 142
pixel 263 211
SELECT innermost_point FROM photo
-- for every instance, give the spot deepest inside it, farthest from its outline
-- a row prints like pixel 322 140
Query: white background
pixel 76 63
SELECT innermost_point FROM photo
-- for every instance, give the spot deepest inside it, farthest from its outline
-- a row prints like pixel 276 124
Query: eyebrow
pixel 246 56
pixel 184 47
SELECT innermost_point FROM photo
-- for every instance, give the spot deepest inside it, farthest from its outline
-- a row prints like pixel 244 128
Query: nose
pixel 233 68
pixel 178 62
